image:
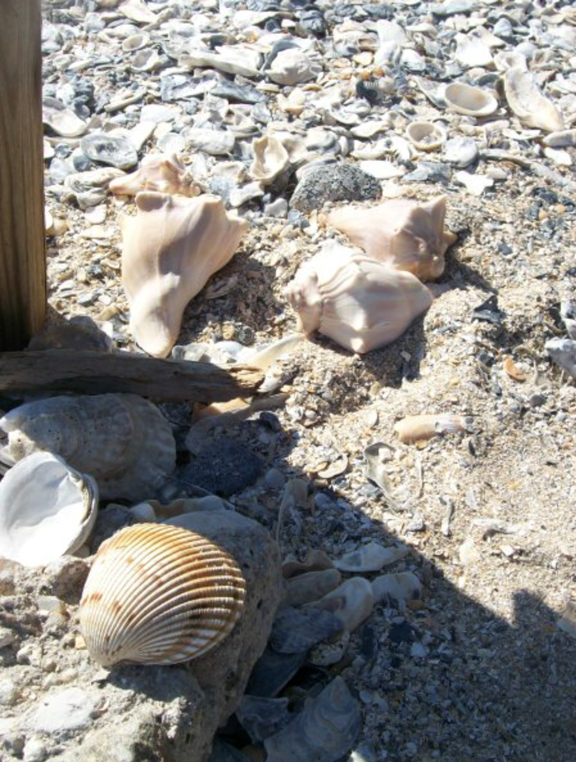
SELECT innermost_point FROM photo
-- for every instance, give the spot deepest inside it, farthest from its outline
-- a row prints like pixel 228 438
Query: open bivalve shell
pixel 529 103
pixel 404 234
pixel 355 300
pixel 122 440
pixel 47 510
pixel 469 100
pixel 270 159
pixel 170 249
pixel 159 594
pixel 162 174
pixel 425 136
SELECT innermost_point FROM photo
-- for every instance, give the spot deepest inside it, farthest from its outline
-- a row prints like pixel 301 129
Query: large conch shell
pixel 171 248
pixel 529 103
pixel 122 440
pixel 159 173
pixel 47 509
pixel 404 234
pixel 355 300
pixel 159 594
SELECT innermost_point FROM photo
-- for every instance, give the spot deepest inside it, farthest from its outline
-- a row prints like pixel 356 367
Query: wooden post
pixel 22 253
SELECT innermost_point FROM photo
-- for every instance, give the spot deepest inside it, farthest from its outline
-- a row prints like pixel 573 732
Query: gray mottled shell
pixel 122 440
pixel 159 594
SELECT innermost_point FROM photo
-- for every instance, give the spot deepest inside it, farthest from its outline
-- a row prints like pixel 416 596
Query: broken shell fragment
pixel 122 440
pixel 47 510
pixel 159 594
pixel 425 136
pixel 529 103
pixel 416 428
pixel 403 234
pixel 163 174
pixel 170 249
pixel 396 588
pixel 370 557
pixel 270 159
pixel 351 602
pixel 469 100
pixel 355 300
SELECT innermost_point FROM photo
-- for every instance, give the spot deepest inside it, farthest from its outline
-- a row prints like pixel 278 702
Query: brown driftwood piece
pixel 86 372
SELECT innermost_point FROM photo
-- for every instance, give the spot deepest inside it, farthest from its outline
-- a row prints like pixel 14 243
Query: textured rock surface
pixel 63 707
pixel 340 182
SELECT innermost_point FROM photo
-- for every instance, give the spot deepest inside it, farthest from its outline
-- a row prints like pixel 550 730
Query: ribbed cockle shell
pixel 159 594
pixel 355 300
pixel 170 249
pixel 404 234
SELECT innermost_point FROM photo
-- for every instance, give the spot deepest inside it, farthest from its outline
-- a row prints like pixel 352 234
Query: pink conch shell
pixel 404 234
pixel 355 300
pixel 170 249
pixel 160 173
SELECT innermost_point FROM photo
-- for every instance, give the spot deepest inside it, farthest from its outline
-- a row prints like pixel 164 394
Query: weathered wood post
pixel 22 253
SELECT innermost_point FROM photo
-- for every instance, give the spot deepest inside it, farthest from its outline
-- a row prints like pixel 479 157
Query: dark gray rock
pixel 273 671
pixel 338 182
pixel 224 467
pixel 297 630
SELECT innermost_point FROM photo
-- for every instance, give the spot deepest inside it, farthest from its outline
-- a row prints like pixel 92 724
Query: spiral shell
pixel 159 594
pixel 122 440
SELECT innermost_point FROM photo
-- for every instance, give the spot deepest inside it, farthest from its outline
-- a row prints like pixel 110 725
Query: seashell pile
pixel 159 594
pixel 122 440
pixel 47 509
pixel 170 249
pixel 404 234
pixel 355 300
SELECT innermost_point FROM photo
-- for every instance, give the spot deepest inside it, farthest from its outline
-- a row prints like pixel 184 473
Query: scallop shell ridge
pixel 159 594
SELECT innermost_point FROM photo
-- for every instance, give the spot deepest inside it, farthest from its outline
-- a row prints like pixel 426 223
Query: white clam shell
pixel 170 249
pixel 355 300
pixel 47 509
pixel 159 594
pixel 529 103
pixel 122 440
pixel 403 234
pixel 469 100
pixel 270 159
pixel 425 136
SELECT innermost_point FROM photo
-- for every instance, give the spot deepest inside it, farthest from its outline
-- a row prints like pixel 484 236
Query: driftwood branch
pixel 85 372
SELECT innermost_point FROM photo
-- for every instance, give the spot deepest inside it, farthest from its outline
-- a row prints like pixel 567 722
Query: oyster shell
pixel 529 103
pixel 270 159
pixel 163 174
pixel 425 136
pixel 416 428
pixel 159 594
pixel 47 509
pixel 355 300
pixel 122 440
pixel 170 249
pixel 469 100
pixel 403 234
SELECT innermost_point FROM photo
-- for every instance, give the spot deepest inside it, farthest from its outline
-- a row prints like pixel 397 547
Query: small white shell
pixel 270 159
pixel 47 509
pixel 529 103
pixel 122 440
pixel 159 594
pixel 354 299
pixel 426 136
pixel 469 100
pixel 416 428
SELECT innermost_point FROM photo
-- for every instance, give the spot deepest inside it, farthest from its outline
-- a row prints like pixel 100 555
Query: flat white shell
pixel 159 594
pixel 469 100
pixel 47 509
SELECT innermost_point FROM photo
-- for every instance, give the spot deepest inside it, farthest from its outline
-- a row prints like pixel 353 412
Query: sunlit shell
pixel 355 300
pixel 170 249
pixel 425 136
pixel 122 440
pixel 159 594
pixel 164 174
pixel 270 159
pixel 529 103
pixel 416 428
pixel 403 234
pixel 47 509
pixel 469 100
